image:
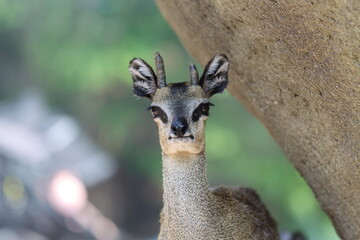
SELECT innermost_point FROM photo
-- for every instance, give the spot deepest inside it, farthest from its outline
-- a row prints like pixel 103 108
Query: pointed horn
pixel 194 76
pixel 160 71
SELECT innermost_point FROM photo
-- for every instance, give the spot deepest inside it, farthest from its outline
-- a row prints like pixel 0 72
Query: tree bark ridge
pixel 295 66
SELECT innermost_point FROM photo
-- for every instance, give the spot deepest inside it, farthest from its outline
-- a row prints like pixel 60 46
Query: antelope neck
pixel 185 182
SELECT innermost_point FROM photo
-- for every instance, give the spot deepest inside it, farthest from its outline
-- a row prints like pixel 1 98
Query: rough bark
pixel 295 66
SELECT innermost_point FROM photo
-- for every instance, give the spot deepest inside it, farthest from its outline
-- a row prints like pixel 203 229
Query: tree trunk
pixel 295 66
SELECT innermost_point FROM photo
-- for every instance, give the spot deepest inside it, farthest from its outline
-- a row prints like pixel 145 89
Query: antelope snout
pixel 179 126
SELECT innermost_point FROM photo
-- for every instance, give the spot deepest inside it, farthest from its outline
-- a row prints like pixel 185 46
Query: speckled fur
pixel 181 100
pixel 191 209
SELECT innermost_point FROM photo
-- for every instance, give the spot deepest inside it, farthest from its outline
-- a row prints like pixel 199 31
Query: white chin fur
pixel 181 145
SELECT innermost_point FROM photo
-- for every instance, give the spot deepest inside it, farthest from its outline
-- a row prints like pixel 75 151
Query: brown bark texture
pixel 295 65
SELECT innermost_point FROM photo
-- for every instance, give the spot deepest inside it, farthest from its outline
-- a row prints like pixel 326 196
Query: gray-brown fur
pixel 191 209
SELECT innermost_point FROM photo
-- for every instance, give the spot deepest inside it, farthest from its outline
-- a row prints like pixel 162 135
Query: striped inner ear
pixel 144 78
pixel 215 77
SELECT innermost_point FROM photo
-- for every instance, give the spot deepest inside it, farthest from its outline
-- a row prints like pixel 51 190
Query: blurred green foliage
pixel 77 52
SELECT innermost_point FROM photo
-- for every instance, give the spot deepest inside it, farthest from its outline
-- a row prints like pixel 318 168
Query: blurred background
pixel 79 155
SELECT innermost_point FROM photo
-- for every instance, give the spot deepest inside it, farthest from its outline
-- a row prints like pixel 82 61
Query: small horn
pixel 194 76
pixel 160 71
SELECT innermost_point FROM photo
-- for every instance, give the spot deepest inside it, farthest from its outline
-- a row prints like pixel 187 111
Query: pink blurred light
pixel 100 226
pixel 67 194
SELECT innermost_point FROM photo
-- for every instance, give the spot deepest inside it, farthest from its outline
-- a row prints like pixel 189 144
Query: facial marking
pixel 180 109
pixel 201 110
pixel 180 133
pixel 157 112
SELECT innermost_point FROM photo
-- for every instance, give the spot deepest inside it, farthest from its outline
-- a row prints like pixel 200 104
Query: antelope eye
pixel 205 109
pixel 201 110
pixel 157 112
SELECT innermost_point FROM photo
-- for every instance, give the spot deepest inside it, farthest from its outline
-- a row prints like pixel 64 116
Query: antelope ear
pixel 145 83
pixel 215 77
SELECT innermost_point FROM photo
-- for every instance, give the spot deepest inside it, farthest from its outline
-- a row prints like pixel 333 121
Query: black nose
pixel 179 126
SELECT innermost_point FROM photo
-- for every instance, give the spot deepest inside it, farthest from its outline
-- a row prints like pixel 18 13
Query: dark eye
pixel 205 109
pixel 201 110
pixel 157 112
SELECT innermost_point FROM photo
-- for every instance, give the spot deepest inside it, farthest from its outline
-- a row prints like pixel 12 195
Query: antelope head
pixel 180 109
